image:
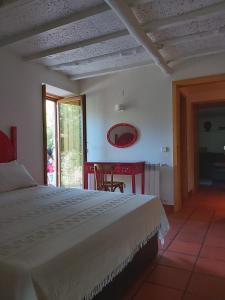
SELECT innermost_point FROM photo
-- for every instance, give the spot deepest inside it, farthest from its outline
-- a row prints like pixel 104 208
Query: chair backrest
pixel 101 171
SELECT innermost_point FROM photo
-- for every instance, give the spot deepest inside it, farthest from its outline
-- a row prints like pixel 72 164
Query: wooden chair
pixel 101 183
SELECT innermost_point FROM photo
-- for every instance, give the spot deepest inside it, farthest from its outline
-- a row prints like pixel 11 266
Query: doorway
pixel 188 96
pixel 211 146
pixel 64 137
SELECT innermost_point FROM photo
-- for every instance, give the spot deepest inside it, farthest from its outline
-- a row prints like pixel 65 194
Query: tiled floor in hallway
pixel 191 265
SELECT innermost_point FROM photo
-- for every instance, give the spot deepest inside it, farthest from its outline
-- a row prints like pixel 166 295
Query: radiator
pixel 152 179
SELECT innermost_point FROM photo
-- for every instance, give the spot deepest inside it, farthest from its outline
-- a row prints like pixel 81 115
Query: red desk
pixel 121 168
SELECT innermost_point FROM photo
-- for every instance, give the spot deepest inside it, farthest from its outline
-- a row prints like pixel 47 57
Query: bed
pixel 71 244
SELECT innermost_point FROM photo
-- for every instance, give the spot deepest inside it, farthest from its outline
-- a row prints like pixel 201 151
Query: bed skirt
pixel 121 283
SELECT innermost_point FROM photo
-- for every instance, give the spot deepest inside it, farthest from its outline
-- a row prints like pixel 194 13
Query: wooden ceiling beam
pixel 184 18
pixel 110 70
pixel 191 37
pixel 112 55
pixel 128 18
pixel 77 45
pixel 161 45
pixel 77 16
pixel 199 53
pixel 147 27
pixel 137 2
pixel 114 70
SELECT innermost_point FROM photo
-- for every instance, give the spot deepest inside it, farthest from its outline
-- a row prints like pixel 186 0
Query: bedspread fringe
pixel 119 268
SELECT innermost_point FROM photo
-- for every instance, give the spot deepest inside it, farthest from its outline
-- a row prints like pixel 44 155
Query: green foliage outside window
pixel 70 143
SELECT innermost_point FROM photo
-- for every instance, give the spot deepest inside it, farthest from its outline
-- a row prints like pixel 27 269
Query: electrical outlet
pixel 164 149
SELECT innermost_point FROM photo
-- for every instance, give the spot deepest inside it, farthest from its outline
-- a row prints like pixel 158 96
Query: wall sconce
pixel 119 107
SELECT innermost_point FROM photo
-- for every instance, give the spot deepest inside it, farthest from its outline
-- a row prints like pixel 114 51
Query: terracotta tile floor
pixel 191 265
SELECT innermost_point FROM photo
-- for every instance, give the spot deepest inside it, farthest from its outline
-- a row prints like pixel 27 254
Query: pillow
pixel 14 176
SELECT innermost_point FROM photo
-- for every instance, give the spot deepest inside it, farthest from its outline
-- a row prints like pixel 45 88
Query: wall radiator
pixel 152 179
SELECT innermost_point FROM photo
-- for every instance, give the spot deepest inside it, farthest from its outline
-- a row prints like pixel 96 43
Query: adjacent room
pixel 112 149
pixel 211 146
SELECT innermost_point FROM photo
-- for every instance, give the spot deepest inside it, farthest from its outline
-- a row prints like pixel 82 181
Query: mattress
pixel 58 244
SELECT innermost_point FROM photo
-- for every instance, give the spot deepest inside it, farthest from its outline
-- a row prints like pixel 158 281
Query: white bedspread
pixel 67 244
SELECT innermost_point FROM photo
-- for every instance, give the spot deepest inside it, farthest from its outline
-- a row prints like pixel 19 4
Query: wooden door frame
pixel 55 99
pixel 84 127
pixel 44 133
pixel 177 155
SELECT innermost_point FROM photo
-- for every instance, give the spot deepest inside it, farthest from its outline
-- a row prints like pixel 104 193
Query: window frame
pixel 77 100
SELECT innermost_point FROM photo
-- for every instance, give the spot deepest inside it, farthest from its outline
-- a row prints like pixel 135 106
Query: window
pixel 64 140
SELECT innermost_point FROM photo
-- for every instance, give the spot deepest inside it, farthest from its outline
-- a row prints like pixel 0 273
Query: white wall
pixel 148 98
pixel 21 105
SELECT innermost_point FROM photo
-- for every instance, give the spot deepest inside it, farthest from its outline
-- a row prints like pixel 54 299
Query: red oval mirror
pixel 122 135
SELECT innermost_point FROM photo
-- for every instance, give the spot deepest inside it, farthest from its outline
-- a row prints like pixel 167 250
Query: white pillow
pixel 14 176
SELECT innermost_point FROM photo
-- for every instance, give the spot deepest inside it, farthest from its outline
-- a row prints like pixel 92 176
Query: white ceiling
pixel 86 38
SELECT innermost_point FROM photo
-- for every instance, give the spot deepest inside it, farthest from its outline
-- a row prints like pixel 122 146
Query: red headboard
pixel 8 146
